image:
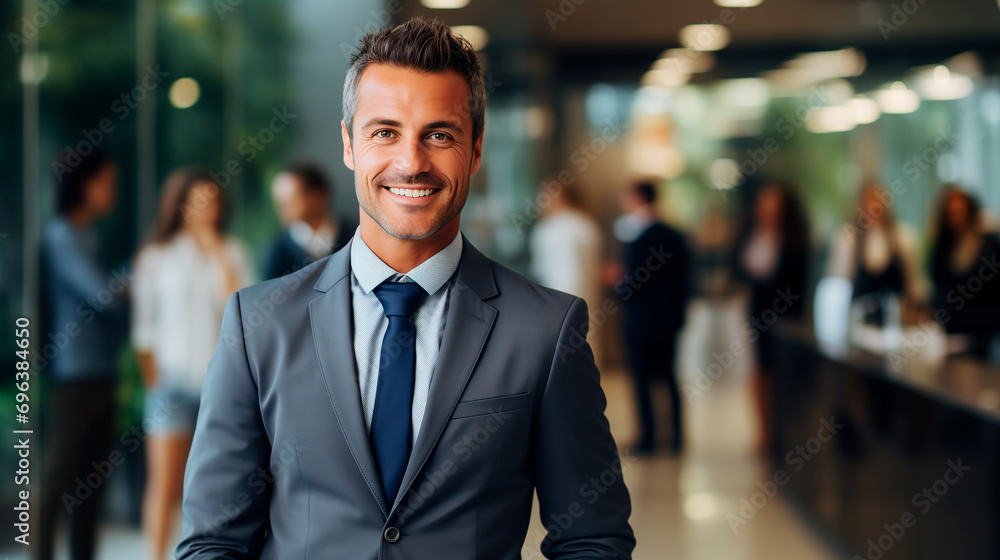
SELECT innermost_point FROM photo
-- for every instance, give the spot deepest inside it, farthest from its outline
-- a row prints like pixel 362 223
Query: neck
pixel 967 232
pixel 403 255
pixel 316 221
pixel 200 231
pixel 556 206
pixel 79 218
pixel 646 213
pixel 767 227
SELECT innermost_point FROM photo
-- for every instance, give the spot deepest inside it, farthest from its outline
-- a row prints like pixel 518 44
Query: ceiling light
pixel 786 79
pixel 444 4
pixel 824 65
pixel 897 99
pixel 474 34
pixel 968 63
pixel 738 3
pixel 837 91
pixel 837 118
pixel 686 60
pixel 863 109
pixel 704 36
pixel 941 83
pixel 664 77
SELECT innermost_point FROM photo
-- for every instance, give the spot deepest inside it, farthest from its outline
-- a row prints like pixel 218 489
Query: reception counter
pixel 898 459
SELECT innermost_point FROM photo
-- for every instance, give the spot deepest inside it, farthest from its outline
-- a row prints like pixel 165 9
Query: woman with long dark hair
pixel 771 259
pixel 184 274
pixel 968 297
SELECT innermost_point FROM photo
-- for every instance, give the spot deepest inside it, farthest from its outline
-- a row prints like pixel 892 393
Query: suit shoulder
pixel 667 230
pixel 299 282
pixel 662 233
pixel 530 294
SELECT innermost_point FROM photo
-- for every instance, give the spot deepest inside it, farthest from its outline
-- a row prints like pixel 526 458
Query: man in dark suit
pixel 301 194
pixel 654 293
pixel 405 397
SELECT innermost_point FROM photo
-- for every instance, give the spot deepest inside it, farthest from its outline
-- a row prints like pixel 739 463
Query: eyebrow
pixel 379 121
pixel 383 122
pixel 449 125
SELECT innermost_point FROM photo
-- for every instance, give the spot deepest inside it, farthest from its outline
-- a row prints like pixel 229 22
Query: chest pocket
pixel 494 405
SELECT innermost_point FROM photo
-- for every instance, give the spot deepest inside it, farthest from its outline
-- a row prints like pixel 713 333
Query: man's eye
pixel 439 136
pixel 383 134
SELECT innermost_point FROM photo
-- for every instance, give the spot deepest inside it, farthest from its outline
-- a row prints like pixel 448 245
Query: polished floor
pixel 683 508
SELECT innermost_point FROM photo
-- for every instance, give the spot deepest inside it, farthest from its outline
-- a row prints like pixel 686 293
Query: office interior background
pixel 883 441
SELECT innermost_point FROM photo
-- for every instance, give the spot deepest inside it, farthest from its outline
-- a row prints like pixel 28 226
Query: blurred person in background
pixel 654 293
pixel 771 258
pixel 566 250
pixel 963 262
pixel 184 274
pixel 301 193
pixel 712 252
pixel 879 256
pixel 87 326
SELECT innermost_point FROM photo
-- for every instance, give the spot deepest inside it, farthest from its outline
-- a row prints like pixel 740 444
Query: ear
pixel 477 154
pixel 348 154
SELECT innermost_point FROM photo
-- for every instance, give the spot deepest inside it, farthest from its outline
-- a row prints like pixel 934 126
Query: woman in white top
pixel 184 274
pixel 566 252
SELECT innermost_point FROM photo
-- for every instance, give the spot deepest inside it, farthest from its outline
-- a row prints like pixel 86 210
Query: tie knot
pixel 400 299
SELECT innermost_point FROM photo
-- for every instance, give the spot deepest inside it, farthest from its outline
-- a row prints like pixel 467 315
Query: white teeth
pixel 412 193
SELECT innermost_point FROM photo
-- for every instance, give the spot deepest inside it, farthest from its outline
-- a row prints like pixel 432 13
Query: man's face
pixel 631 201
pixel 101 191
pixel 412 151
pixel 289 199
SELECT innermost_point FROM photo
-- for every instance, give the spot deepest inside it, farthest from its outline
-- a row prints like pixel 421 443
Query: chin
pixel 409 231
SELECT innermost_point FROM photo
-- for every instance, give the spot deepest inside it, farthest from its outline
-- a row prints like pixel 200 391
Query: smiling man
pixel 404 397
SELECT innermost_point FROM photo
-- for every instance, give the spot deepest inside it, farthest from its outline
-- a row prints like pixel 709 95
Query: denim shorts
pixel 169 411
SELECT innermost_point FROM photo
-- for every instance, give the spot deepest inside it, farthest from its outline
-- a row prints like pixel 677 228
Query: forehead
pixel 956 200
pixel 284 183
pixel 204 185
pixel 406 94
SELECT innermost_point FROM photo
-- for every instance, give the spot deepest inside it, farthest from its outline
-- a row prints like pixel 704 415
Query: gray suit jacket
pixel 281 466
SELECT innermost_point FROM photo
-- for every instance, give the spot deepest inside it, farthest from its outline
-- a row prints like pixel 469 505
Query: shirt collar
pixel 431 274
pixel 315 242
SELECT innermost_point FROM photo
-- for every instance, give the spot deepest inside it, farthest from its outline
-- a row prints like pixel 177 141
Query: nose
pixel 412 157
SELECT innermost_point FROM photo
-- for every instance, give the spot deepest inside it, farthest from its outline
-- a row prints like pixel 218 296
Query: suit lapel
pixel 467 326
pixel 331 317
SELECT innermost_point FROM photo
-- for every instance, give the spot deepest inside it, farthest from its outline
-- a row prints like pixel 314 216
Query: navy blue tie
pixel 391 430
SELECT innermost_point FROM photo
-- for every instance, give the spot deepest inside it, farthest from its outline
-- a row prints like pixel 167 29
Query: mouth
pixel 411 192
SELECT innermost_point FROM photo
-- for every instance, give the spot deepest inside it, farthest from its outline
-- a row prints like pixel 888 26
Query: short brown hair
pixel 310 176
pixel 423 45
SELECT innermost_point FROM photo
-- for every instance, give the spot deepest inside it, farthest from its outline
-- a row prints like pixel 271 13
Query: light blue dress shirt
pixel 436 277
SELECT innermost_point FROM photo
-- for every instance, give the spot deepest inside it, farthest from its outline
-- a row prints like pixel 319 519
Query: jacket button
pixel 391 534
